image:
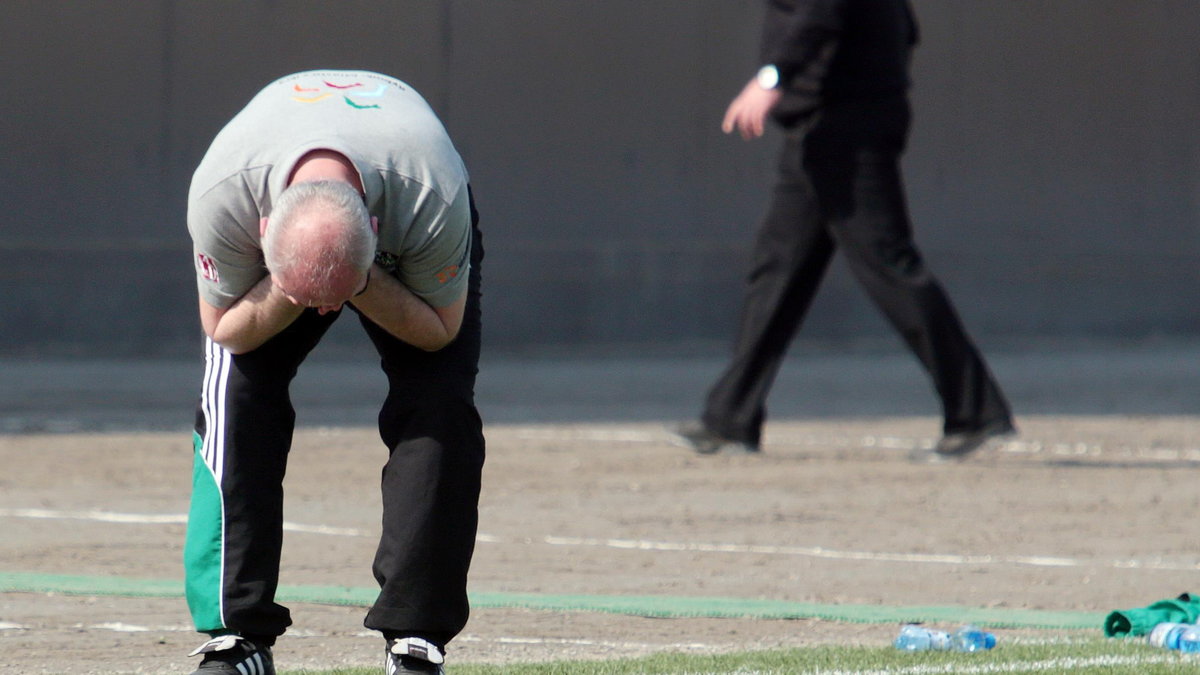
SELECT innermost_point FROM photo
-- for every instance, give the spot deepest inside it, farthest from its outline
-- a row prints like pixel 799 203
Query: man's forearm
pixel 256 317
pixel 397 310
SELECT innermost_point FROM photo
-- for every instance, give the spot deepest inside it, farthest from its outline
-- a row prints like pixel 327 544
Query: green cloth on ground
pixel 1184 609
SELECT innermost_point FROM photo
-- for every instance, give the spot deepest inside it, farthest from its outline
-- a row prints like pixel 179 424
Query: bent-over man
pixel 333 190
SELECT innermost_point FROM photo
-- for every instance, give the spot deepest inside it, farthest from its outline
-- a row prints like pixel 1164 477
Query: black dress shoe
pixel 696 436
pixel 963 443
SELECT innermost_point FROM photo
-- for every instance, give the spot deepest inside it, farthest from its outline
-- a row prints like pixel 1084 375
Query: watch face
pixel 768 77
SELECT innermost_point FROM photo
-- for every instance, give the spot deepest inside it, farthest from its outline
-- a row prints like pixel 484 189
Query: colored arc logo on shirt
pixel 329 89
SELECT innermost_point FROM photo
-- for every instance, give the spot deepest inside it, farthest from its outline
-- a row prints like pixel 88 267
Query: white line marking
pixel 664 546
pixel 181 519
pixel 97 516
pixel 118 627
pixel 164 519
pixel 1064 664
pixel 1059 665
pixel 819 552
pixel 815 552
pixel 327 529
pixel 679 646
pixel 598 434
pixel 1017 447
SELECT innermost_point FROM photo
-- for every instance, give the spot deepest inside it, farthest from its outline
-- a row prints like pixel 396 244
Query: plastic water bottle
pixel 971 639
pixel 1189 640
pixel 915 638
pixel 1167 634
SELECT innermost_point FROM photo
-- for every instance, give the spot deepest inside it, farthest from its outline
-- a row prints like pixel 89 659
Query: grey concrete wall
pixel 1053 171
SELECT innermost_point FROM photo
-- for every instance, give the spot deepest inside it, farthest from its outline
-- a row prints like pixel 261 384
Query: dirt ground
pixel 1076 513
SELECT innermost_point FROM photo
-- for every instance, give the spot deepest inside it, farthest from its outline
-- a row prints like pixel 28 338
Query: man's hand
pixel 748 112
pixel 397 310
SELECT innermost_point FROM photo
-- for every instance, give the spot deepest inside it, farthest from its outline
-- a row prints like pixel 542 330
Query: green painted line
pixel 66 584
pixel 655 606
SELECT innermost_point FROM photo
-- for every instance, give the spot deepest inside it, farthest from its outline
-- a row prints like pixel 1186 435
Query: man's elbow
pixel 233 342
pixel 237 349
pixel 234 347
pixel 218 330
pixel 449 323
pixel 438 343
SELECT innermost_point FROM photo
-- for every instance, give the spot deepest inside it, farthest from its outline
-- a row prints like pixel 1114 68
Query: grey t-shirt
pixel 414 180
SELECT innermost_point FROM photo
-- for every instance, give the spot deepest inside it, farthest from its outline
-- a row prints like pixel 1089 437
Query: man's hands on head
pixel 267 309
pixel 250 321
pixel 255 317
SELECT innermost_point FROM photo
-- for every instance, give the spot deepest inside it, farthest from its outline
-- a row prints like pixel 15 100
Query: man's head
pixel 319 243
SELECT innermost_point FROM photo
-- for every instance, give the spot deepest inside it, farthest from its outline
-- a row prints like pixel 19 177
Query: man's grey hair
pixel 295 256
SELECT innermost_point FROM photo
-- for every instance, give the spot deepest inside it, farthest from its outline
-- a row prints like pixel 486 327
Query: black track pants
pixel 430 482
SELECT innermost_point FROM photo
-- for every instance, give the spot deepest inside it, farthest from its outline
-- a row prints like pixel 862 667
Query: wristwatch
pixel 768 76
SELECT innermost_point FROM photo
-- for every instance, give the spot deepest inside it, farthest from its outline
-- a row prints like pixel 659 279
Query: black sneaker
pixel 234 655
pixel 696 436
pixel 413 655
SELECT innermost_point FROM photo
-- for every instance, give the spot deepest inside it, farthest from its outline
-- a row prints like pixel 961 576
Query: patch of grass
pixel 1088 657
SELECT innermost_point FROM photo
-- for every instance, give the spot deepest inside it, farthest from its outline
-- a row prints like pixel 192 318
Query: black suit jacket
pixel 827 50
